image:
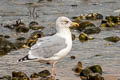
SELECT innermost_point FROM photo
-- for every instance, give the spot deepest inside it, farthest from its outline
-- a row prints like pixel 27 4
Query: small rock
pixel 96 69
pixel 18 74
pixel 90 16
pixel 20 26
pixel 37 34
pixel 95 76
pixel 114 19
pixel 7 36
pixel 85 72
pixel 94 16
pixel 29 42
pixel 22 29
pixel 35 26
pixel 83 25
pixel 44 73
pixel 83 37
pixel 92 30
pixel 111 22
pixel 112 39
pixel 5 46
pixel 34 75
pixel 83 78
pixel 78 67
pixel 47 78
pixel 72 57
pixel 20 78
pixel 20 39
pixel 73 36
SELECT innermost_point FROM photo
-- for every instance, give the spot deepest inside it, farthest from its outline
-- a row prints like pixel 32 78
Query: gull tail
pixel 26 58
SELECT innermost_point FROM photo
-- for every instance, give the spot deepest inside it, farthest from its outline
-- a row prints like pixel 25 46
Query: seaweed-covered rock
pixel 19 45
pixel 92 73
pixel 22 29
pixel 44 73
pixel 20 38
pixel 33 38
pixel 111 22
pixel 5 46
pixel 95 76
pixel 4 36
pixel 86 72
pixel 83 37
pixel 96 69
pixel 94 16
pixel 114 19
pixel 37 34
pixel 107 24
pixel 89 16
pixel 73 36
pixel 72 57
pixel 34 75
pixel 35 26
pixel 76 19
pixel 112 39
pixel 20 78
pixel 30 42
pixel 49 0
pixel 18 74
pixel 85 24
pixel 92 30
pixel 47 78
pixel 8 24
pixel 78 67
pixel 7 36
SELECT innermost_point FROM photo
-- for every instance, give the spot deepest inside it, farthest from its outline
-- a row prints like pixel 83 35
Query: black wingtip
pixel 24 59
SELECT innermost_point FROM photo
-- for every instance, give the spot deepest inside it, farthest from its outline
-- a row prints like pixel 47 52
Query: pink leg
pixel 53 70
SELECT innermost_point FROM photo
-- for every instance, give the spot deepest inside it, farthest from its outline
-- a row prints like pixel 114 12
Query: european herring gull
pixel 50 49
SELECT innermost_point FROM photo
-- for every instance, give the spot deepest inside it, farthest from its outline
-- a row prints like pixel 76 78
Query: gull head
pixel 64 22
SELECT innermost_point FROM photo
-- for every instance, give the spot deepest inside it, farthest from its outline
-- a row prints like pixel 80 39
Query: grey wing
pixel 47 47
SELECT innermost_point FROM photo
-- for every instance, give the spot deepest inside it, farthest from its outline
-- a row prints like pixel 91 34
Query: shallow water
pixel 84 52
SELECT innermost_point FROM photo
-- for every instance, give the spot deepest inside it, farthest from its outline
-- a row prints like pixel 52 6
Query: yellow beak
pixel 75 24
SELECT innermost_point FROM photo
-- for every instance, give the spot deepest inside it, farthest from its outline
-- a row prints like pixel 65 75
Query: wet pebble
pixel 44 73
pixel 35 26
pixel 5 46
pixel 84 37
pixel 19 76
pixel 73 36
pixel 72 57
pixel 96 69
pixel 112 39
pixel 34 75
pixel 111 22
pixel 92 30
pixel 78 67
pixel 90 16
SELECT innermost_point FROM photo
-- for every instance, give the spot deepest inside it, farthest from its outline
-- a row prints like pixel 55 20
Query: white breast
pixel 66 50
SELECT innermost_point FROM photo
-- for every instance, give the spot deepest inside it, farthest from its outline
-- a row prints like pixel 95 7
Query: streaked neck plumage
pixel 64 32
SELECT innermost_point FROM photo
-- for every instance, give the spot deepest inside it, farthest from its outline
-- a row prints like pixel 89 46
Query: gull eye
pixel 66 22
